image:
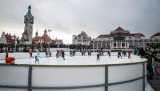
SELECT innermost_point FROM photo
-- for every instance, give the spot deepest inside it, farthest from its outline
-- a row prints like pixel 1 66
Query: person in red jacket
pixel 30 54
pixel 10 60
pixel 129 54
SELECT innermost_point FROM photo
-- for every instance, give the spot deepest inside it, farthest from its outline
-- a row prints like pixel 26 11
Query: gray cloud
pixel 93 16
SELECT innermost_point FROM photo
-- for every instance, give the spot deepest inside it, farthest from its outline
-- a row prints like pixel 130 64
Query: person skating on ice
pixel 129 54
pixel 98 55
pixel 30 54
pixel 63 55
pixel 119 54
pixel 37 58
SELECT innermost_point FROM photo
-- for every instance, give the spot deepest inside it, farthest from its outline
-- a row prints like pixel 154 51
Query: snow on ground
pixel 78 59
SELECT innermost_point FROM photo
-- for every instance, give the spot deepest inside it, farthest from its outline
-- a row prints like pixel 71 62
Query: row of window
pixel 116 44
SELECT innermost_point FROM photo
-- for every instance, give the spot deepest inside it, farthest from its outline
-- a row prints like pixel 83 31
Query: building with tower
pixel 28 29
pixel 3 38
pixel 45 40
pixel 119 39
pixel 81 39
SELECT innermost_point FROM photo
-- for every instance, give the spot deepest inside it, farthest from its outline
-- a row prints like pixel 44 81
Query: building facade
pixel 46 39
pixel 119 39
pixel 28 29
pixel 81 39
pixel 3 38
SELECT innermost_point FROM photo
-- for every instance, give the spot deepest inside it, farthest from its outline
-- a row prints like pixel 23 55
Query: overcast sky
pixel 68 17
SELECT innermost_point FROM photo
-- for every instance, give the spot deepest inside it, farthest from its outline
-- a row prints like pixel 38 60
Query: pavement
pixel 154 84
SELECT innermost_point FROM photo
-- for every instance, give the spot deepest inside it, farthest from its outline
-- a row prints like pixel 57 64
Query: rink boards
pixel 103 77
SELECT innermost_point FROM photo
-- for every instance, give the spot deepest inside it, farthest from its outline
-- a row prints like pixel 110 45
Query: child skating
pixel 37 58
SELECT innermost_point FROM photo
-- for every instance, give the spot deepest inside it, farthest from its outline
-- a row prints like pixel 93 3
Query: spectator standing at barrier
pixel 7 53
pixel 63 55
pixel 10 60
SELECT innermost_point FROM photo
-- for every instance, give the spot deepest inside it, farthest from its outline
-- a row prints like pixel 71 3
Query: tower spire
pixel 37 33
pixel 29 7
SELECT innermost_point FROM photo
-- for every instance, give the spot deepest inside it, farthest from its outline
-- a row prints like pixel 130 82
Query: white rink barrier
pixel 102 77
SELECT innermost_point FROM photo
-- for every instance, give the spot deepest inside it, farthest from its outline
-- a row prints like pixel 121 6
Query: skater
pixel 89 52
pixel 109 53
pixel 37 58
pixel 57 54
pixel 119 54
pixel 49 53
pixel 46 54
pixel 129 54
pixel 74 51
pixel 124 53
pixel 63 55
pixel 98 55
pixel 30 54
pixel 7 54
pixel 71 53
pixel 10 60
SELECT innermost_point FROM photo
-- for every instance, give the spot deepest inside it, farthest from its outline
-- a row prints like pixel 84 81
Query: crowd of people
pixel 61 53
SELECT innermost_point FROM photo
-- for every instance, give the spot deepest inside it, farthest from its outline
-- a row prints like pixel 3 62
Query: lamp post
pixel 41 44
pixel 15 44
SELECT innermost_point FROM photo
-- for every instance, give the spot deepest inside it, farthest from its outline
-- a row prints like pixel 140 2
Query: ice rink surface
pixel 78 59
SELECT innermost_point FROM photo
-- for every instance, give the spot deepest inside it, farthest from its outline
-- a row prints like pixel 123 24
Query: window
pixel 114 44
pixel 123 44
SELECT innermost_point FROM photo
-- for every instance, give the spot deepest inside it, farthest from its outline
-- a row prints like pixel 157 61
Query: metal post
pixel 143 80
pixel 106 78
pixel 30 78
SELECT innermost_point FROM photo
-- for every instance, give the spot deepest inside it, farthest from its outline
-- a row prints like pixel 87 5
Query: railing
pixel 34 69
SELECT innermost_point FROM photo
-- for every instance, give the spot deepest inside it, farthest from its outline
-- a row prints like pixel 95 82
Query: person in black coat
pixel 63 55
pixel 119 54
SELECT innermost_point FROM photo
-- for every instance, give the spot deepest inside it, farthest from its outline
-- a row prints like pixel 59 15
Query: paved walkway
pixel 154 84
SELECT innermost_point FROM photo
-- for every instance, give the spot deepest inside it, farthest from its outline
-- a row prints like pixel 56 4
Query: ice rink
pixel 78 59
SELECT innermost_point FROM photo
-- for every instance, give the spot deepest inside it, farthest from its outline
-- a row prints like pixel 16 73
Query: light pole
pixel 41 44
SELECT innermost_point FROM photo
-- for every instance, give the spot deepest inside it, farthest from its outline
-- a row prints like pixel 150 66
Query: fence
pixel 120 77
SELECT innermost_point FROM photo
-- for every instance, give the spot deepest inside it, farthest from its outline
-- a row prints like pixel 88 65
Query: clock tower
pixel 28 29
